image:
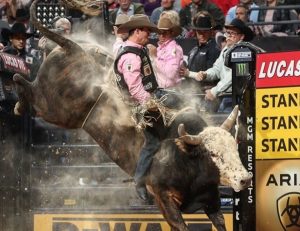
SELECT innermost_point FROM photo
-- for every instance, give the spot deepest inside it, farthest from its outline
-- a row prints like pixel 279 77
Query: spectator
pixel 168 56
pixel 133 65
pixel 174 17
pixel 16 37
pixel 14 5
pixel 8 12
pixel 22 15
pixel 188 13
pixel 60 25
pixel 225 5
pixel 274 15
pixel 165 5
pixel 202 56
pixel 294 14
pixel 3 24
pixel 184 3
pixel 253 17
pixel 217 98
pixel 126 7
pixel 112 5
pixel 242 12
pixel 150 5
pixel 3 9
pixel 293 2
pixel 120 37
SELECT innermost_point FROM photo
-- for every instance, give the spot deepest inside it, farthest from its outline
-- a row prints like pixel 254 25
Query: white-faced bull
pixel 194 159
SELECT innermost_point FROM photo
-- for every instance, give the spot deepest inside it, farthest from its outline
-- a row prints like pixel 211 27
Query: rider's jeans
pixel 150 147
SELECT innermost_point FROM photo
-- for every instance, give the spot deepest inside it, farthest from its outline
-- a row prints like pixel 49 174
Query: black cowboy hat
pixel 17 28
pixel 242 27
pixel 202 23
pixel 22 15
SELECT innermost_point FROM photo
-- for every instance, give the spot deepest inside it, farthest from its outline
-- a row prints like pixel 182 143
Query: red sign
pixel 14 64
pixel 278 69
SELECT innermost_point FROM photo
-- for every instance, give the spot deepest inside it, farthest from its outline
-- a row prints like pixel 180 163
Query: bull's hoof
pixel 142 192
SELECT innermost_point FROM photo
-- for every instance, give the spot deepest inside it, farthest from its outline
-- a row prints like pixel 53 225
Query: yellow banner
pixel 278 123
pixel 120 222
pixel 277 195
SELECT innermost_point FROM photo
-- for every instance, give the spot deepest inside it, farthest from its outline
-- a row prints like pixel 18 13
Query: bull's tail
pixel 65 43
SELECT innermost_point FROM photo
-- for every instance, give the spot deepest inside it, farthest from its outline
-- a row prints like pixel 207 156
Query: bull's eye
pixel 213 155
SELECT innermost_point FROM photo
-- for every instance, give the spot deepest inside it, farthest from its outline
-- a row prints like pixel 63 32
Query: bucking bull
pixel 193 160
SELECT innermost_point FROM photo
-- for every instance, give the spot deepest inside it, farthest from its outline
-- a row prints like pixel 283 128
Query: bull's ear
pixel 231 119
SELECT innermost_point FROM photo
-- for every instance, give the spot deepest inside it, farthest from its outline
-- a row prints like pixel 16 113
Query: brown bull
pixel 70 91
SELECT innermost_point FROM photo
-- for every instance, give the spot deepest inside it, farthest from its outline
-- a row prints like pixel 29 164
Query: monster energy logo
pixel 242 69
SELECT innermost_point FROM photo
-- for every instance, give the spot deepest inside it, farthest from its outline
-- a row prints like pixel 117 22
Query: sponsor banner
pixel 278 69
pixel 278 195
pixel 278 123
pixel 120 222
pixel 13 64
pixel 242 69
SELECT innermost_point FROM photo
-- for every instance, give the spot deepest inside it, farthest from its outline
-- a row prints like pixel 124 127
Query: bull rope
pixel 92 108
pixel 94 105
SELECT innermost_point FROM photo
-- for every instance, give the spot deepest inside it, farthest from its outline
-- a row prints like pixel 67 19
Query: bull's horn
pixel 187 138
pixel 229 122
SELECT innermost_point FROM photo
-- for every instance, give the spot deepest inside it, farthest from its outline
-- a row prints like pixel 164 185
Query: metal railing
pixel 285 7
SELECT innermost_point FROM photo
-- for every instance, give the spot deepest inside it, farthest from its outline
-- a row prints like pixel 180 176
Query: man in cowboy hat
pixel 135 76
pixel 202 56
pixel 168 56
pixel 236 32
pixel 16 38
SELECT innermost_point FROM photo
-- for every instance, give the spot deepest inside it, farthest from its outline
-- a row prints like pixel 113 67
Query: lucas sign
pixel 278 106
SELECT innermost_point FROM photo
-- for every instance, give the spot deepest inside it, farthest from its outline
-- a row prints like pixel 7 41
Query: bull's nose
pixel 245 182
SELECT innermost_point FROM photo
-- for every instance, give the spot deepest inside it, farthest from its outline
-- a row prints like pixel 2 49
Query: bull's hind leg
pixel 218 220
pixel 171 212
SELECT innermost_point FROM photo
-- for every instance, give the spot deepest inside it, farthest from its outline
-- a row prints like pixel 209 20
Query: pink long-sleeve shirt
pixel 168 62
pixel 130 66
